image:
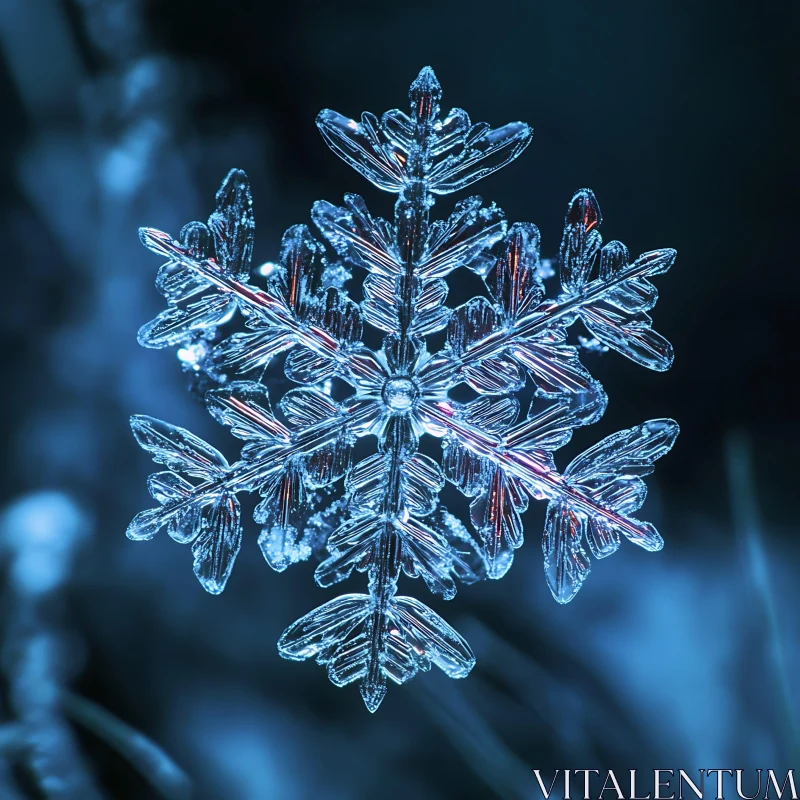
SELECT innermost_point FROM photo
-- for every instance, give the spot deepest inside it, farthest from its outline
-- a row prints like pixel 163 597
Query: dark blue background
pixel 681 117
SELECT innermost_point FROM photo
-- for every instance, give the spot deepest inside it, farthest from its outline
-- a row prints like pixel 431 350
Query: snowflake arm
pixel 294 310
pixel 597 492
pixel 487 343
pixel 388 521
pixel 421 153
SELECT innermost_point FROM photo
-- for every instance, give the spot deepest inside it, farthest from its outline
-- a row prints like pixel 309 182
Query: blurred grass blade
pixel 477 742
pixel 169 780
pixel 748 525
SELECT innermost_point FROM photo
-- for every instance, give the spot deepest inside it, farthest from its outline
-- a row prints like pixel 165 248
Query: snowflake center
pixel 400 393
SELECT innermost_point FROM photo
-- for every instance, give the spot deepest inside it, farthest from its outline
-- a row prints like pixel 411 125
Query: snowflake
pixel 388 519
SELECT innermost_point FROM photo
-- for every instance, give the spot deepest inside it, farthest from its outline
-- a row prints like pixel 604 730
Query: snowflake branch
pixel 271 308
pixel 246 475
pixel 544 317
pixel 532 469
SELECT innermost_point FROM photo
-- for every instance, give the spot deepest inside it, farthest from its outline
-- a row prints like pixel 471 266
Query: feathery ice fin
pixel 359 639
pixel 386 520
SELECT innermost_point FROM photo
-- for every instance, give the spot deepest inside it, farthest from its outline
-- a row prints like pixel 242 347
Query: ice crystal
pixel 388 519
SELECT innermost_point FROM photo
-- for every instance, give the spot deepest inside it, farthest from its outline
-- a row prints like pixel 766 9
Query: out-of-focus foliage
pixel 118 112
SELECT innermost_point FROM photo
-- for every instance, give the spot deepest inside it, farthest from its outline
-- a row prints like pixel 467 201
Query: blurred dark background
pixel 119 113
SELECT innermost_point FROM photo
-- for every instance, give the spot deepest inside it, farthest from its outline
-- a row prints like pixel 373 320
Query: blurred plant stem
pixel 40 537
pixel 748 526
pixel 475 740
pixel 146 756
